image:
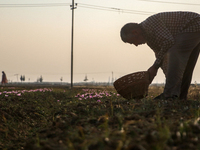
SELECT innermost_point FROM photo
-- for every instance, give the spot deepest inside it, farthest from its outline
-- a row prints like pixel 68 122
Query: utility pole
pixel 112 78
pixel 72 41
pixel 17 76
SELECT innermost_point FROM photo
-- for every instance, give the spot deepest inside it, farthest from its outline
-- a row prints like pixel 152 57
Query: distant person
pixel 4 78
pixel 175 39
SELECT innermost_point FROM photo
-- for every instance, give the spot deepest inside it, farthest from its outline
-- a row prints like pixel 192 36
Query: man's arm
pixel 160 38
pixel 152 72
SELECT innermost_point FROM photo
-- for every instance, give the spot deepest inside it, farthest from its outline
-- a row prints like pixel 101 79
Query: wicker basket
pixel 133 86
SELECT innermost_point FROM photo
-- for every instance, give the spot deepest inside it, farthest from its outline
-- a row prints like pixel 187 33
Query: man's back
pixel 175 22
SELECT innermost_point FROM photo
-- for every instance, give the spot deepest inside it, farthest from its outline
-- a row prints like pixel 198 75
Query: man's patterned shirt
pixel 160 30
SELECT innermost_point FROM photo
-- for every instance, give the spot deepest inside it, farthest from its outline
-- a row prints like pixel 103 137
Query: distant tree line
pixel 22 78
pixel 40 79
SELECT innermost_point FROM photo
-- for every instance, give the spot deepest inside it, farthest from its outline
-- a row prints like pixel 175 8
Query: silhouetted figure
pixel 175 39
pixel 4 78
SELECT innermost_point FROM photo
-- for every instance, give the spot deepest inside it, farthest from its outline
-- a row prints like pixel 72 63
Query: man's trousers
pixel 182 58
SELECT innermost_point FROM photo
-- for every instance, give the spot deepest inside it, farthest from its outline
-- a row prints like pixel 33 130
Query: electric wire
pixel 120 11
pixel 82 5
pixel 89 6
pixel 114 9
pixel 35 5
pixel 169 2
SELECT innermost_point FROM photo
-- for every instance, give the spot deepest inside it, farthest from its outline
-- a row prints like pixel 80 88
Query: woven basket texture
pixel 133 86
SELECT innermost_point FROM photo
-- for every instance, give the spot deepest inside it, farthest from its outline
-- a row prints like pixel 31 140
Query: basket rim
pixel 137 88
pixel 146 79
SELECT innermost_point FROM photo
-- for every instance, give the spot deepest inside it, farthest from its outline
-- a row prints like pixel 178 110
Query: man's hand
pixel 152 72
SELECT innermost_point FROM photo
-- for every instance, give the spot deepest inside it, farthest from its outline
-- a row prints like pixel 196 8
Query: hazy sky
pixel 36 41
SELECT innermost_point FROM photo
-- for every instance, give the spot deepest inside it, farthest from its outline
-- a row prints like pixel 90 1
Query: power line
pixel 120 11
pixel 35 5
pixel 169 2
pixel 113 9
pixel 12 74
pixel 80 5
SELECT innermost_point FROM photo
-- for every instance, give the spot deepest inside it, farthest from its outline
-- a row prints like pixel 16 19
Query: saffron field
pixel 96 118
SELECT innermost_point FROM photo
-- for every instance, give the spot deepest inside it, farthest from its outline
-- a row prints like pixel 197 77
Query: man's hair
pixel 126 29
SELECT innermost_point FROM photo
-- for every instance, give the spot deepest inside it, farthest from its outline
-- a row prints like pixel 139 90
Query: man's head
pixel 132 33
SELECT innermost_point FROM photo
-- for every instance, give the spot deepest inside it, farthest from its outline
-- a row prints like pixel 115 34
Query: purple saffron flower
pixel 19 94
